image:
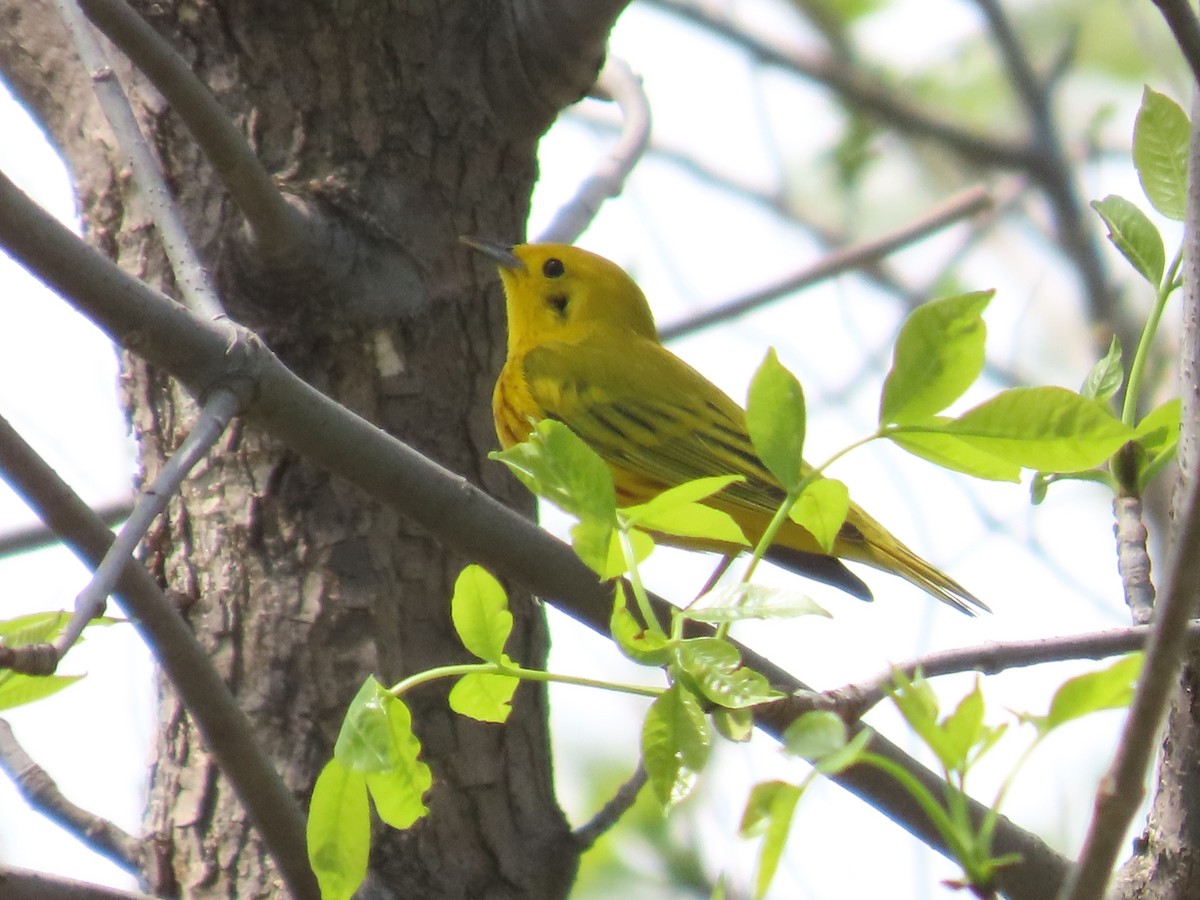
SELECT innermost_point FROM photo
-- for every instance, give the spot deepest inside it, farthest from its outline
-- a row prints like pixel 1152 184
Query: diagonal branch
pixel 279 230
pixel 1181 19
pixel 619 82
pixel 23 884
pixel 40 792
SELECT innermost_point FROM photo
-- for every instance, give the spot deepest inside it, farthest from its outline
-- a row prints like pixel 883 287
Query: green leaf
pixel 839 760
pixel 399 792
pixel 775 418
pixel 480 613
pixel 339 831
pixel 484 696
pixel 752 601
pixel 1106 376
pixel 735 725
pixel 556 464
pixel 961 730
pixel 17 688
pixel 821 510
pixel 815 734
pixel 643 646
pixel 953 453
pixel 1160 153
pixel 1132 232
pixel 1110 688
pixel 1047 428
pixel 34 628
pixel 675 745
pixel 366 741
pixel 1158 435
pixel 938 355
pixel 716 666
pixel 687 520
pixel 769 811
pixel 682 495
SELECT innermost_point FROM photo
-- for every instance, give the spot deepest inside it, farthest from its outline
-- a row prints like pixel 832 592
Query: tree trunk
pixel 391 119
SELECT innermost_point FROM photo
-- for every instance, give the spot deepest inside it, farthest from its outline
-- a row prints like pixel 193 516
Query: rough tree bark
pixel 411 123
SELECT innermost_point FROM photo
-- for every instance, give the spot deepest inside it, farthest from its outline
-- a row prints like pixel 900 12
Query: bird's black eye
pixel 553 268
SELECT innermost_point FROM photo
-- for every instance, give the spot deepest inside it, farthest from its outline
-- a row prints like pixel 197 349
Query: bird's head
pixel 559 292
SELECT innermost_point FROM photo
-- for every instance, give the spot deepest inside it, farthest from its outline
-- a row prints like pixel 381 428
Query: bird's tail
pixel 883 551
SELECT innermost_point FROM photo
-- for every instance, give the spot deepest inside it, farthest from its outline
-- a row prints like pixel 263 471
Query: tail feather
pixel 822 568
pixel 892 556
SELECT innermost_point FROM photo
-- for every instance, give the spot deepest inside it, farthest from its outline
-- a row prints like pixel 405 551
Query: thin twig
pixel 215 416
pixel 852 701
pixel 40 792
pixel 618 82
pixel 277 227
pixel 587 834
pixel 863 92
pixel 195 287
pixel 35 537
pixel 961 206
pixel 462 517
pixel 1182 21
pixel 226 730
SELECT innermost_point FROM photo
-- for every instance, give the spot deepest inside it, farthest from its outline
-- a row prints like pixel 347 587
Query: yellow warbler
pixel 583 349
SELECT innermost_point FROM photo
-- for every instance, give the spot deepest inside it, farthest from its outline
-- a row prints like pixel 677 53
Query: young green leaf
pixel 836 761
pixel 399 792
pixel 339 831
pixel 735 725
pixel 366 741
pixel 815 734
pixel 17 688
pixel 33 628
pixel 1160 153
pixel 675 745
pixel 479 609
pixel 1106 376
pixel 752 601
pixel 775 418
pixel 682 495
pixel 1132 232
pixel 556 464
pixel 716 667
pixel 769 812
pixel 596 542
pixel 1158 435
pixel 643 646
pixel 961 730
pixel 821 509
pixel 1110 688
pixel 484 696
pixel 1047 428
pixel 938 355
pixel 670 515
pixel 953 453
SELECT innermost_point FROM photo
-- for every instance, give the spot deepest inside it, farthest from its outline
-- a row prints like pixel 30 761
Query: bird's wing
pixel 644 410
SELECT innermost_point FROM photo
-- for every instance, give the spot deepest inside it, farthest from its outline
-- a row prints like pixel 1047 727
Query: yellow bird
pixel 583 349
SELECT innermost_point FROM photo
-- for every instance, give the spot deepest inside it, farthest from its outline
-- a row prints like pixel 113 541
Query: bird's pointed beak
pixel 501 254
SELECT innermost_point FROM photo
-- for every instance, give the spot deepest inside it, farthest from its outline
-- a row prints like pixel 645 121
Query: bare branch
pixel 459 515
pixel 22 884
pixel 225 728
pixel 865 92
pixel 195 287
pixel 40 792
pixel 852 701
pixel 961 206
pixel 619 82
pixel 1182 21
pixel 214 418
pixel 277 228
pixel 587 834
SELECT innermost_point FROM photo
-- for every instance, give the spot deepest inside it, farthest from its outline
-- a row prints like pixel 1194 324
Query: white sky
pixel 689 245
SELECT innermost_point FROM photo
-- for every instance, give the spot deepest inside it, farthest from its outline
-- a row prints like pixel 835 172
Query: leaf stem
pixel 486 668
pixel 1134 386
pixel 635 581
